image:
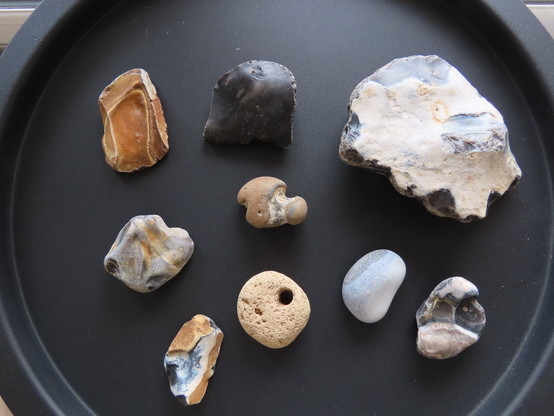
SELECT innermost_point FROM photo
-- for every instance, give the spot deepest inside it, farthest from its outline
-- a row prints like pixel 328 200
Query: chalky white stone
pixel 370 285
pixel 418 121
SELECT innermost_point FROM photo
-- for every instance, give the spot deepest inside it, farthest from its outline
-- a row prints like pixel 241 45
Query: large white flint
pixel 421 123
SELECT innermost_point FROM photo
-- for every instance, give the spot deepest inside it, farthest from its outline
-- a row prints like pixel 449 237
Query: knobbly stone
pixel 135 131
pixel 418 121
pixel 191 357
pixel 273 309
pixel 253 101
pixel 268 206
pixel 147 253
pixel 450 320
pixel 370 285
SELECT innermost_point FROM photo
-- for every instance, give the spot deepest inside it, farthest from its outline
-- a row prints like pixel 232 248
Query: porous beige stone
pixel 267 205
pixel 135 131
pixel 273 309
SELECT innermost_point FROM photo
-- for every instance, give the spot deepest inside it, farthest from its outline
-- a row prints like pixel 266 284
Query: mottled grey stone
pixel 147 253
pixel 450 320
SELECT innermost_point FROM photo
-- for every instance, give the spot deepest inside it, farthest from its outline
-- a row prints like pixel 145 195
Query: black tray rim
pixel 25 362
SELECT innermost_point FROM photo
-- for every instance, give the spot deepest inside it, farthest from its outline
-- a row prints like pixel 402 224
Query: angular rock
pixel 267 205
pixel 273 309
pixel 371 283
pixel 147 253
pixel 190 360
pixel 254 100
pixel 135 131
pixel 450 320
pixel 418 121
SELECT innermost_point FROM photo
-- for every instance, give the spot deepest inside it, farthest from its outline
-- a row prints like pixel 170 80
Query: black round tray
pixel 76 341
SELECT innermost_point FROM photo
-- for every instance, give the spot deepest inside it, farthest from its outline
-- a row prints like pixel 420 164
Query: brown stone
pixel 135 131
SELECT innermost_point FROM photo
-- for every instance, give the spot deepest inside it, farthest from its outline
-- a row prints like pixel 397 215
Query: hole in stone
pixel 257 311
pixel 285 296
pixel 112 267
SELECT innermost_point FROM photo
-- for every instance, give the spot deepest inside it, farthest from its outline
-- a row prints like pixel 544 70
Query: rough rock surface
pixel 418 121
pixel 135 131
pixel 191 357
pixel 450 320
pixel 147 253
pixel 254 100
pixel 273 309
pixel 370 285
pixel 267 205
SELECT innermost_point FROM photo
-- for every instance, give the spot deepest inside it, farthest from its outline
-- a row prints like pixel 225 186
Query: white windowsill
pixel 11 20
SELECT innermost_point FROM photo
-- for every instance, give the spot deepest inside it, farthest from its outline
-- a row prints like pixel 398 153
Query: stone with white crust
pixel 418 121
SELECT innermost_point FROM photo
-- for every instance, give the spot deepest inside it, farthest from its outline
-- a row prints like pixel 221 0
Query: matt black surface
pixel 77 341
pixel 253 101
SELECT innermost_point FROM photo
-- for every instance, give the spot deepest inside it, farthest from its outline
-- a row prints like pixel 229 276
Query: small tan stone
pixel 135 131
pixel 273 309
pixel 191 357
pixel 267 205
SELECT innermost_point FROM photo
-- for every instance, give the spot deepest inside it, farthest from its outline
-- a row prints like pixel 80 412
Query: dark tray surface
pixel 76 340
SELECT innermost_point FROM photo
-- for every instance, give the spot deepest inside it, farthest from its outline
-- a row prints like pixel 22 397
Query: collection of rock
pixel 417 120
pixel 448 322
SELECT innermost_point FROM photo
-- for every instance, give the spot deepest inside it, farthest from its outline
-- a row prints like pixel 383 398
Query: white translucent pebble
pixel 370 285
